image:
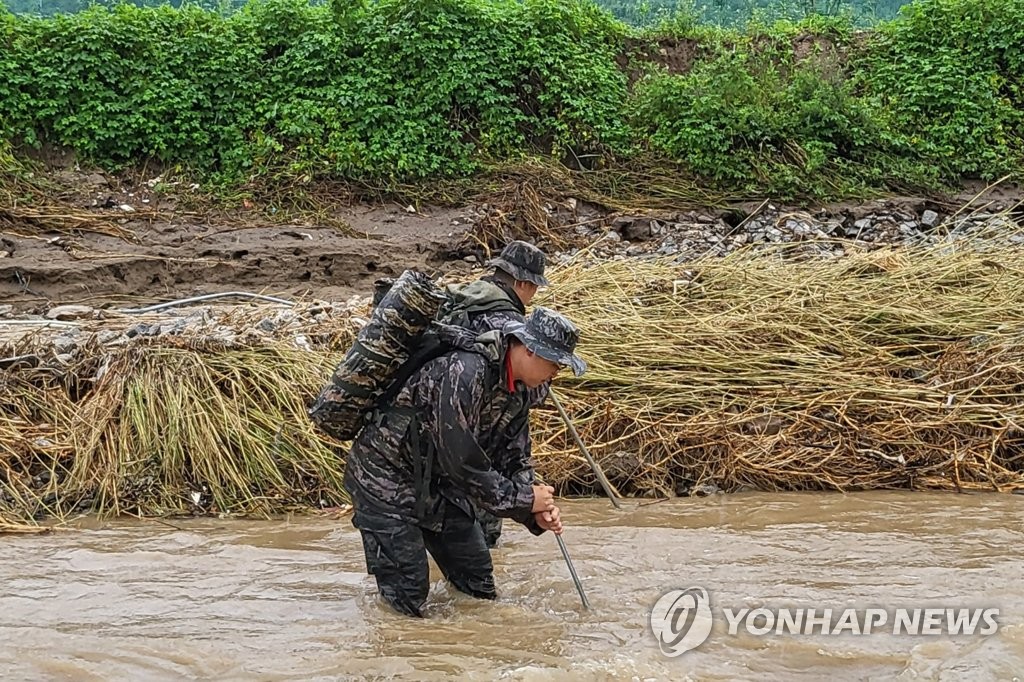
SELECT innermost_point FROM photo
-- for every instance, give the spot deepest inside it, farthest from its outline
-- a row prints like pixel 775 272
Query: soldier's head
pixel 521 266
pixel 542 346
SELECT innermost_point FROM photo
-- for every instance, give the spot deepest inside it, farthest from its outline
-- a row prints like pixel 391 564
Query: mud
pixel 106 242
pixel 166 259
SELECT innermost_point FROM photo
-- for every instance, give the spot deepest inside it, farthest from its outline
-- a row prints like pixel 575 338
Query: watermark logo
pixel 681 620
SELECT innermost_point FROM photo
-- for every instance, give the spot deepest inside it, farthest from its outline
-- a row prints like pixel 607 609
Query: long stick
pixel 572 572
pixel 583 448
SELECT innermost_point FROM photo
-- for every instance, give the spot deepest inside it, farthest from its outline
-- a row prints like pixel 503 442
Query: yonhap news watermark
pixel 682 620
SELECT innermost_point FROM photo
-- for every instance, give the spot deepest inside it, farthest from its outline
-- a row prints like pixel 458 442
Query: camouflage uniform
pixel 456 435
pixel 489 304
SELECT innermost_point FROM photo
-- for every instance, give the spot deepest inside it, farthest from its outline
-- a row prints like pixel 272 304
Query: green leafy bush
pixel 407 89
pixel 411 90
pixel 949 74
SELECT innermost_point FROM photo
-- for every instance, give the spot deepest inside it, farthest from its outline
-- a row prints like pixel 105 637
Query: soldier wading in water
pixel 456 436
pixel 489 304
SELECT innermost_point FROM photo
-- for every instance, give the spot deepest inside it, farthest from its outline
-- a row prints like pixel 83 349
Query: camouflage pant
pixel 490 525
pixel 396 555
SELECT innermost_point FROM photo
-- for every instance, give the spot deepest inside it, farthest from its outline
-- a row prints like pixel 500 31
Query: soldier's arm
pixel 518 464
pixel 456 419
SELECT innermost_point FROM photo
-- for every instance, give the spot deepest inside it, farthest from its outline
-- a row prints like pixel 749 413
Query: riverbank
pixel 876 350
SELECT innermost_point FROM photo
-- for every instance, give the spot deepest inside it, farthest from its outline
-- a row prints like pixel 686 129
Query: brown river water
pixel 289 599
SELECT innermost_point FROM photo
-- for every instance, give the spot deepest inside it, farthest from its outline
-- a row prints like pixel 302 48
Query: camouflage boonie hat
pixel 551 336
pixel 522 260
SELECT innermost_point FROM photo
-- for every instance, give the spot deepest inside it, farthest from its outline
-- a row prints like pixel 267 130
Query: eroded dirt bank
pixel 107 242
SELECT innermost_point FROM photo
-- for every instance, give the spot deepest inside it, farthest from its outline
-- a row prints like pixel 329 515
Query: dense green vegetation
pixel 411 90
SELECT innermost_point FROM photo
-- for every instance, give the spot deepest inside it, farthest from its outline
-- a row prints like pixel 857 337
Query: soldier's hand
pixel 543 498
pixel 550 520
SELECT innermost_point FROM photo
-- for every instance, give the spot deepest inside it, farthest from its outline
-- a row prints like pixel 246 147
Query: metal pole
pixel 583 448
pixel 205 297
pixel 572 572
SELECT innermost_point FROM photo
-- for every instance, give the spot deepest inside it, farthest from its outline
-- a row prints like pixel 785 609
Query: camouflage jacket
pixel 500 306
pixel 455 431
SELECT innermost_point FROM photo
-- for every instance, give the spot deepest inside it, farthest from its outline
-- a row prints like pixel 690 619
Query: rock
pixel 863 224
pixel 930 218
pixel 127 208
pixel 612 236
pixel 634 228
pixel 70 312
pixel 470 259
pixel 705 489
pixel 66 341
pixel 139 330
pixel 173 328
pixel 621 466
pixel 635 251
pixel 97 180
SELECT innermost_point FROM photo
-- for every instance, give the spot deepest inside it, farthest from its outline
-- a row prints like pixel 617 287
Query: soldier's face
pixel 537 370
pixel 526 291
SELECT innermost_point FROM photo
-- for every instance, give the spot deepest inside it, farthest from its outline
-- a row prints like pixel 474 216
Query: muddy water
pixel 242 600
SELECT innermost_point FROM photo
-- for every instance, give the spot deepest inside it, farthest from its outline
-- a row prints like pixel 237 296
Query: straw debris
pixel 885 369
pixel 765 369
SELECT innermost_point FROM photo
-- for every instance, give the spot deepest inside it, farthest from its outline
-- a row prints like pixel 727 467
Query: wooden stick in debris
pixel 583 448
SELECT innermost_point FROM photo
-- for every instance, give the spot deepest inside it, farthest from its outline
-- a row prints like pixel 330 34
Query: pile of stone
pixel 692 235
pixel 69 330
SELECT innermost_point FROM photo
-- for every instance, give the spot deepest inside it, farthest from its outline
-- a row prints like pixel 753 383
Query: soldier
pixel 455 436
pixel 501 297
pixel 492 302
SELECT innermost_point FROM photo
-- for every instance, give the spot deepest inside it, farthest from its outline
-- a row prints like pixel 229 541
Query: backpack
pixel 402 336
pixel 385 351
pixel 468 300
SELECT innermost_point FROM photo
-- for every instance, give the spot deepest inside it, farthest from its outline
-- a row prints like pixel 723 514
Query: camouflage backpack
pixel 465 301
pixel 401 336
pixel 389 340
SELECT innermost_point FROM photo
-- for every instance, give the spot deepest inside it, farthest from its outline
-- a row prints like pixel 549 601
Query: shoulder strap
pixel 431 346
pixel 440 340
